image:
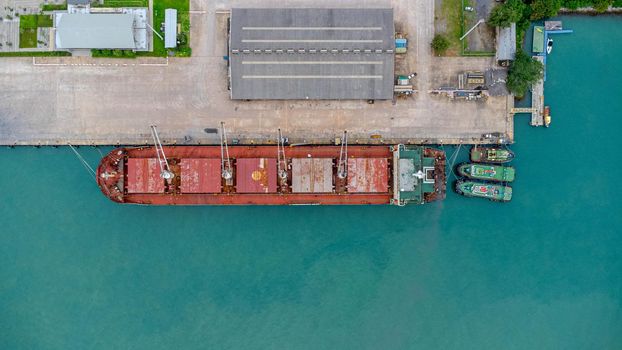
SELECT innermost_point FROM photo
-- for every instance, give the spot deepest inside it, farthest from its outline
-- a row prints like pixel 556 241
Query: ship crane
pixel 342 167
pixel 165 170
pixel 225 162
pixel 281 160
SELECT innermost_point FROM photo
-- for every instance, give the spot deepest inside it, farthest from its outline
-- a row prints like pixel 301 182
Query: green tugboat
pixel 497 193
pixel 486 172
pixel 491 155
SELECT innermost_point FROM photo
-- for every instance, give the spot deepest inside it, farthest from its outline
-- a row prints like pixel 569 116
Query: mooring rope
pixel 454 155
pixel 83 161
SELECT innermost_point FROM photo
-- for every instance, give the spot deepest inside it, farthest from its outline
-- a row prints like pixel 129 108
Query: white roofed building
pixel 123 29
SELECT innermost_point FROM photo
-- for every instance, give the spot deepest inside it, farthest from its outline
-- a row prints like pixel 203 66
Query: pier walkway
pixel 537 100
pixel 522 110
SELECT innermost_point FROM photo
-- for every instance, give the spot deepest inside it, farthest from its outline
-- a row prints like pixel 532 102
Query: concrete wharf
pixel 99 101
pixel 537 100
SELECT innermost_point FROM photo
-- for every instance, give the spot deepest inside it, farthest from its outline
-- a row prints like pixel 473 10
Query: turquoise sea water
pixel 541 272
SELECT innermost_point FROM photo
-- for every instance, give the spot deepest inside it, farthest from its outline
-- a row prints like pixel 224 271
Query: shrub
pixel 440 44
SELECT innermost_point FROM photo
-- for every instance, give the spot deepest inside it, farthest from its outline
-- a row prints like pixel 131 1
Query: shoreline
pixel 590 11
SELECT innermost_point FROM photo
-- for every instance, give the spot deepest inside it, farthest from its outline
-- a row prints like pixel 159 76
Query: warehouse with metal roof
pixel 506 44
pixel 311 54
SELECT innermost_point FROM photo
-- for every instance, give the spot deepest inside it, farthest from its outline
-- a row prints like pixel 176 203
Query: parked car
pixel 469 8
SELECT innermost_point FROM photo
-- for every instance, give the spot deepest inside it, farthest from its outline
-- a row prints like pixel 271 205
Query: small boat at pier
pixel 487 172
pixel 547 116
pixel 498 193
pixel 549 46
pixel 491 155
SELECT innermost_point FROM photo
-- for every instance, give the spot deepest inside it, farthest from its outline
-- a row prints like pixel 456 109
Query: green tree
pixel 544 8
pixel 571 4
pixel 440 44
pixel 505 14
pixel 524 71
pixel 602 5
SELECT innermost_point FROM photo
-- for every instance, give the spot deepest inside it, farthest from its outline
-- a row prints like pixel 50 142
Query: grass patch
pixel 123 3
pixel 113 53
pixel 35 21
pixel 28 25
pixel 451 11
pixel 34 54
pixel 28 21
pixel 27 38
pixel 44 21
pixel 183 18
pixel 54 7
pixel 458 22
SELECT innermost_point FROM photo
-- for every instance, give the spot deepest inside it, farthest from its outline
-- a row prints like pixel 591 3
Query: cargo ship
pixel 498 193
pixel 487 172
pixel 491 155
pixel 273 175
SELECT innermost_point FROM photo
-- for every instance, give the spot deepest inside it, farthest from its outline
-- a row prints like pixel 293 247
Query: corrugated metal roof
pixel 255 175
pixel 506 43
pixel 170 28
pixel 95 31
pixel 312 53
pixel 312 175
pixel 200 175
pixel 368 175
pixel 143 176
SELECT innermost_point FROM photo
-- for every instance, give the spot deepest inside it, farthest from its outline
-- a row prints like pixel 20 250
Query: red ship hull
pixel 131 175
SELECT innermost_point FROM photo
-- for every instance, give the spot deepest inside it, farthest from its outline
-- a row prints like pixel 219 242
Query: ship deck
pixel 132 175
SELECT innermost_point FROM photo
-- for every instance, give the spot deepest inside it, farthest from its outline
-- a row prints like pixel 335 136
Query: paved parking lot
pixel 88 101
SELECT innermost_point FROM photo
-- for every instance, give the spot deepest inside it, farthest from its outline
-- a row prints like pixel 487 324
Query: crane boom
pixel 342 167
pixel 165 170
pixel 281 160
pixel 225 162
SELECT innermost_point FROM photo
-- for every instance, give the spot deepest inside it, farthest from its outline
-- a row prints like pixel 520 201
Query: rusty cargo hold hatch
pixel 312 175
pixel 200 175
pixel 255 175
pixel 143 176
pixel 368 175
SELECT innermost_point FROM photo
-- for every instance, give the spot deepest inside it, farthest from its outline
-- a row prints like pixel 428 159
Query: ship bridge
pixel 413 175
